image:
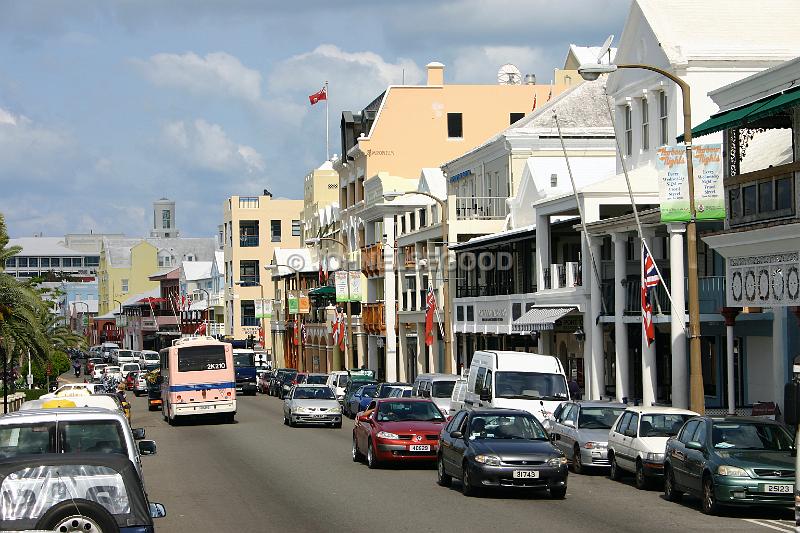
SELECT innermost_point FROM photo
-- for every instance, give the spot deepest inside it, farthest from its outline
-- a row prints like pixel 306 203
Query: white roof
pixel 118 251
pixel 767 148
pixel 196 270
pixel 432 181
pixel 79 307
pixel 219 257
pixel 588 54
pixel 298 258
pixel 498 235
pixel 44 246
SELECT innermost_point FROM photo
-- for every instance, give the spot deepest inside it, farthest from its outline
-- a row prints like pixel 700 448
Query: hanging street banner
pixel 304 304
pixel 341 278
pixel 294 303
pixel 340 281
pixel 263 308
pixel 355 286
pixel 673 183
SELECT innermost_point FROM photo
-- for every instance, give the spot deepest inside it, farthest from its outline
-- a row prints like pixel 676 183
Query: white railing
pixel 481 208
pixel 566 275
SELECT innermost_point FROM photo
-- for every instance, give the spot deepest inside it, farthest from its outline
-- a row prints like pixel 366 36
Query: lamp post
pixel 349 343
pixel 115 322
pixel 208 304
pixel 273 268
pixel 591 72
pixel 448 348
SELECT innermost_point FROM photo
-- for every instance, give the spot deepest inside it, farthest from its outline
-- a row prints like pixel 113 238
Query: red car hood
pixel 410 427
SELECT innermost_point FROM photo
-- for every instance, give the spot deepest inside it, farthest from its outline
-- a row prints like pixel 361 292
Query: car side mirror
pixel 157 510
pixel 363 418
pixel 138 433
pixel 570 423
pixel 486 395
pixel 552 437
pixel 694 445
pixel 456 435
pixel 147 447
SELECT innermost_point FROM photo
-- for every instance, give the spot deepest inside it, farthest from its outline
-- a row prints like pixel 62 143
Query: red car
pixel 396 430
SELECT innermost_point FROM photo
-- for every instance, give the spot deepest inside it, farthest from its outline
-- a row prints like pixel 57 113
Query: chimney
pixel 435 73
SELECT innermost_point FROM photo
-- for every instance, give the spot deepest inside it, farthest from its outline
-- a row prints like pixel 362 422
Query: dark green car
pixel 731 461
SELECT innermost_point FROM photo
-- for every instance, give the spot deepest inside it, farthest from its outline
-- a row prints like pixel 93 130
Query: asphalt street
pixel 259 475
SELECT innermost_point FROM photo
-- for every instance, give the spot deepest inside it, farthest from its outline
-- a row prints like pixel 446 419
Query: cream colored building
pixel 320 199
pixel 253 226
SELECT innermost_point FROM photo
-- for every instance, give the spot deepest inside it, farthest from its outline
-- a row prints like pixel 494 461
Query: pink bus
pixel 198 379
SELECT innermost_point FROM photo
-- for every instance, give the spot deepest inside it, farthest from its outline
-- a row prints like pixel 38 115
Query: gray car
pixel 580 431
pixel 312 405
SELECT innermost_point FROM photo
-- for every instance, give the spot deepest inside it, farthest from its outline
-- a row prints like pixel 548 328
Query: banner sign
pixel 344 280
pixel 340 281
pixel 294 303
pixel 304 304
pixel 355 286
pixel 263 309
pixel 673 183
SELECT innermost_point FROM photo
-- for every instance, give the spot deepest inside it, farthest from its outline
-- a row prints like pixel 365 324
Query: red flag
pixel 201 329
pixel 316 97
pixel 342 332
pixel 335 327
pixel 430 307
pixel 320 271
pixel 534 103
pixel 650 279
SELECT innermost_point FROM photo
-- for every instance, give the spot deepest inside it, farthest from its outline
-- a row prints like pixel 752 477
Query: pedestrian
pixel 574 388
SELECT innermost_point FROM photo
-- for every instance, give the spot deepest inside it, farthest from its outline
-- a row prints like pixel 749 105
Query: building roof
pixel 298 258
pixel 219 257
pixel 588 54
pixel 118 251
pixel 44 246
pixel 78 307
pixel 196 270
pixel 153 293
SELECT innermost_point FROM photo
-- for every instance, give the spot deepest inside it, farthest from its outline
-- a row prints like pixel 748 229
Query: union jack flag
pixel 650 279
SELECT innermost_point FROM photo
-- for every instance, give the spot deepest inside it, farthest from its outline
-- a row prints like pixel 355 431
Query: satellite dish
pixel 509 74
pixel 605 48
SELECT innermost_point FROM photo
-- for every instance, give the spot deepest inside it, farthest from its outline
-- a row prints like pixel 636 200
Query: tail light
pixel 229 394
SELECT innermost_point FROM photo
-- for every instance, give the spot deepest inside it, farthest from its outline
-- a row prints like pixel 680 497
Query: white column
pixel 542 249
pixel 390 299
pixel 680 374
pixel 779 354
pixel 731 382
pixel 620 241
pixel 595 307
pixel 649 381
pixel 590 392
pixel 540 344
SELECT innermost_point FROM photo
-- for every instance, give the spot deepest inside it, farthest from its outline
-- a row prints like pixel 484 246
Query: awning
pixel 323 291
pixel 540 319
pixel 742 116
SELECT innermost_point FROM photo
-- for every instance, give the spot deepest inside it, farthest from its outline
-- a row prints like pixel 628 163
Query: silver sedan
pixel 580 430
pixel 313 405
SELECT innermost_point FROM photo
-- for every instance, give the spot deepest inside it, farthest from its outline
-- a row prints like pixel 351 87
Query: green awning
pixel 323 291
pixel 742 116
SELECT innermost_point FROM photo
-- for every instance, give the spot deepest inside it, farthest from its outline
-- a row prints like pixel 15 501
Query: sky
pixel 106 106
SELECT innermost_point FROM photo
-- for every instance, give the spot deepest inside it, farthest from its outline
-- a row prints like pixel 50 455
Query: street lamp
pixel 317 240
pixel 208 306
pixel 391 195
pixel 591 72
pixel 275 268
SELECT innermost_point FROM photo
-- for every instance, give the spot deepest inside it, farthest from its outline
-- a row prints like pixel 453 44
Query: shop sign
pixel 493 314
pixel 294 303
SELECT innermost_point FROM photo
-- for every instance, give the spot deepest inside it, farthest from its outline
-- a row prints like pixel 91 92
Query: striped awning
pixel 540 319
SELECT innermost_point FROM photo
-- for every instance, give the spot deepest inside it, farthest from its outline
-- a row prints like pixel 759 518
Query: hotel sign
pixel 770 280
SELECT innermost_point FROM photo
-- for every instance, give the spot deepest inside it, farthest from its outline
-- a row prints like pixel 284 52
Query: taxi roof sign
pixel 56 404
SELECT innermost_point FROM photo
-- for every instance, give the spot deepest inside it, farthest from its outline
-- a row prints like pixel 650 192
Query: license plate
pixel 202 407
pixel 319 416
pixel 526 474
pixel 779 489
pixel 419 448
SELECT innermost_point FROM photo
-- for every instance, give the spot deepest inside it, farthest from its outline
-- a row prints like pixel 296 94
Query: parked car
pixel 400 392
pixel 351 388
pixel 288 381
pixel 506 448
pixel 74 492
pixel 397 430
pixel 385 388
pixel 637 440
pixel 337 381
pixel 580 432
pixel 731 461
pixel 360 399
pixel 87 371
pixel 276 381
pixel 313 379
pixel 312 404
pixel 437 387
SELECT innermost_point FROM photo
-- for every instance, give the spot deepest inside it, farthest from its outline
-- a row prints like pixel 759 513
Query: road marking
pixel 777 525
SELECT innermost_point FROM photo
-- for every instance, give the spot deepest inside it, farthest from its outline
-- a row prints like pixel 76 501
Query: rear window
pixel 91 436
pixel 317 380
pixel 197 358
pixel 26 439
pixel 442 389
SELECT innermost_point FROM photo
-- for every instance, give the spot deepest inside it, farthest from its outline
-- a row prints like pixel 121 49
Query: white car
pixel 113 371
pixel 638 439
pixel 97 372
pixel 72 389
pixel 148 357
pixel 127 368
pixel 337 381
pixel 312 404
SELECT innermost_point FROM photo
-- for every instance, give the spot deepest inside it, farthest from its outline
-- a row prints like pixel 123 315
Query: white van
pixel 437 387
pixel 120 357
pixel 516 380
pixel 337 381
pixel 105 350
pixel 148 358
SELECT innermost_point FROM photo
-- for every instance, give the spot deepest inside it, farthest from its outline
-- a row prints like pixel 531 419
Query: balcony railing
pixel 711 294
pixel 481 208
pixel 248 281
pixel 372 260
pixel 563 276
pixel 250 321
pixel 248 241
pixel 215 328
pixel 373 316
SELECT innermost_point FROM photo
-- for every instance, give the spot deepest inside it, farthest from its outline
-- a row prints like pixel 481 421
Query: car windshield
pixel 313 393
pixel 317 380
pixel 751 436
pixel 530 386
pixel 288 376
pixel 26 439
pixel 661 425
pixel 244 359
pixel 130 367
pixel 514 426
pixel 408 411
pixel 442 389
pixel 112 369
pixel 598 417
pixel 198 358
pixel 124 353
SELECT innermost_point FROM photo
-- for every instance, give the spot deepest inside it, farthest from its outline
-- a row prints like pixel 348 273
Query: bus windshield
pixel 244 359
pixel 196 358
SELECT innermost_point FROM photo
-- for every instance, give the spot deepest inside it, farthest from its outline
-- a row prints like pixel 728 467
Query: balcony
pixel 372 260
pixel 248 241
pixel 409 257
pixel 762 195
pixel 711 294
pixel 564 276
pixel 215 328
pixel 373 317
pixel 481 208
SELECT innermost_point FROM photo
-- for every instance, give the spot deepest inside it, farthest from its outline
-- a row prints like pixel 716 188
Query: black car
pixel 276 381
pixel 487 448
pixel 288 380
pixel 74 492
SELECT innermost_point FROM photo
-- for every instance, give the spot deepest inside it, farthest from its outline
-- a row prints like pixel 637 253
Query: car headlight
pixel 557 461
pixel 300 409
pixel 654 457
pixel 489 460
pixel 386 435
pixel 335 410
pixel 734 471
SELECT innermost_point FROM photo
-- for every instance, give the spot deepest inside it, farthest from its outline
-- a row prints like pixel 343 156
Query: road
pixel 259 475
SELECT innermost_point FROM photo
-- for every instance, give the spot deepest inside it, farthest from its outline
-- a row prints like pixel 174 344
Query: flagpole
pixel 327 135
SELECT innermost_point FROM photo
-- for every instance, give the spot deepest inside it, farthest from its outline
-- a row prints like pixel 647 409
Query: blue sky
pixel 107 106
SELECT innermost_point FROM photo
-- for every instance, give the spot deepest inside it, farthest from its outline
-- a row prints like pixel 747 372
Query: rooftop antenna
pixel 606 49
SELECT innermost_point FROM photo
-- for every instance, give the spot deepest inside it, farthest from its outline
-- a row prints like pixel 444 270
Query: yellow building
pixel 253 226
pixel 320 200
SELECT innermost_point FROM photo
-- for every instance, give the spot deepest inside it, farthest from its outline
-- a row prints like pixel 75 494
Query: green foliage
pixel 34 394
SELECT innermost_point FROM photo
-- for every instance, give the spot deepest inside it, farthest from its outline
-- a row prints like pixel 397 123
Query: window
pixel 470 313
pixel 688 431
pixel 248 202
pixel 514 117
pixel 11 263
pixel 92 260
pixel 248 312
pixel 166 218
pixel 645 124
pixel 275 230
pixel 554 180
pixel 248 272
pixel 124 285
pixel 460 313
pixel 749 198
pixel 33 262
pixel 22 261
pixel 628 121
pixel 422 218
pixel 296 228
pixel 56 261
pixel 479 378
pixel 783 194
pixel 455 127
pixel 700 434
pixel 45 262
pixel 662 117
pixel 623 422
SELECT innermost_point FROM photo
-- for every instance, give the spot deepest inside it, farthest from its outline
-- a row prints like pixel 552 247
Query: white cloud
pixel 217 74
pixel 479 64
pixel 202 145
pixel 33 150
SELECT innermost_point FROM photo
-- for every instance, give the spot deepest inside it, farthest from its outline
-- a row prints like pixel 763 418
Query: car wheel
pixel 641 480
pixel 337 425
pixel 709 503
pixel 614 472
pixel 357 457
pixel 442 477
pixel 670 492
pixel 558 493
pixel 467 489
pixel 292 423
pixel 78 515
pixel 372 461
pixel 577 464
